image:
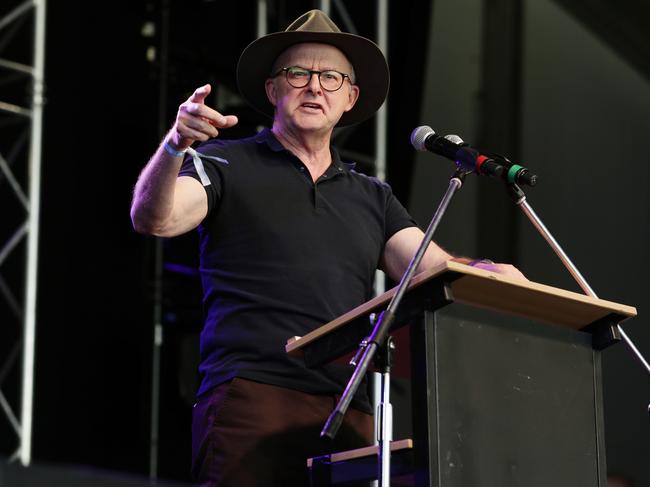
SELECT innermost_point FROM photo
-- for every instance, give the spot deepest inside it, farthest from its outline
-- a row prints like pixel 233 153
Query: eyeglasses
pixel 300 77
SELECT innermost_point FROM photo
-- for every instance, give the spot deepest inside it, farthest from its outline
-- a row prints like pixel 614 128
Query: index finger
pixel 215 118
pixel 200 94
pixel 209 114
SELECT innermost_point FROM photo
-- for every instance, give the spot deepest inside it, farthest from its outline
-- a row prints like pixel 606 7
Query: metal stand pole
pixel 519 198
pixel 158 256
pixel 385 412
pixel 379 334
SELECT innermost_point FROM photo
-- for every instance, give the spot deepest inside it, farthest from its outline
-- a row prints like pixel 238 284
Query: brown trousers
pixel 245 433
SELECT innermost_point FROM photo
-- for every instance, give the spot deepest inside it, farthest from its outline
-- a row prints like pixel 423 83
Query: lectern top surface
pixel 484 289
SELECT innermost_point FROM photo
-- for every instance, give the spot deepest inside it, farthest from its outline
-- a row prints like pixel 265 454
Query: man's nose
pixel 314 83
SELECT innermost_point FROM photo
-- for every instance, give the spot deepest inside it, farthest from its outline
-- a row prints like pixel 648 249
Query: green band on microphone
pixel 512 172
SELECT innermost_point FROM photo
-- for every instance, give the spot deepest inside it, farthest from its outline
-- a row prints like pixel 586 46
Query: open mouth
pixel 312 106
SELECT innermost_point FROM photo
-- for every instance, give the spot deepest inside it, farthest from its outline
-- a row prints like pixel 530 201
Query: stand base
pixel 360 465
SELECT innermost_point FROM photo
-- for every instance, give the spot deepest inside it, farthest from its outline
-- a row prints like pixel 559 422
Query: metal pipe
pixel 15 109
pixel 21 68
pixel 325 6
pixel 385 432
pixel 541 228
pixel 17 12
pixel 13 242
pixel 381 121
pixel 262 18
pixel 6 170
pixel 29 331
pixel 4 404
pixel 348 25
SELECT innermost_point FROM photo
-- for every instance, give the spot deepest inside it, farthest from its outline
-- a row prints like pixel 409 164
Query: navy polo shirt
pixel 281 255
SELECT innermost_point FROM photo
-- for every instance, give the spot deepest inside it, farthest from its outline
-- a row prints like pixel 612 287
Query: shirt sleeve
pixel 396 216
pixel 215 163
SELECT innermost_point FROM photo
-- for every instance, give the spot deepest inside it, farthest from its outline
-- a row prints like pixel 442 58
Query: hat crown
pixel 313 21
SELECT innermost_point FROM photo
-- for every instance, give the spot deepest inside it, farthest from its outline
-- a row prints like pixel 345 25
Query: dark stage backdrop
pixel 103 119
pixel 582 116
pixel 91 395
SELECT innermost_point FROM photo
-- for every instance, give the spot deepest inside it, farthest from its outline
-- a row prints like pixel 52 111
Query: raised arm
pixel 165 204
pixel 401 248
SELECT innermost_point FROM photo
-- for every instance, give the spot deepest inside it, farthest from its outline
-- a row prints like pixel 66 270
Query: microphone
pixel 469 159
pixel 424 138
pixel 514 173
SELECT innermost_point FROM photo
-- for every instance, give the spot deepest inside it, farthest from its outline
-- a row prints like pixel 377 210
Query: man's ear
pixel 353 96
pixel 271 92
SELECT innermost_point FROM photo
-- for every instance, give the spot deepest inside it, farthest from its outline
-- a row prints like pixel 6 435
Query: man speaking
pixel 290 238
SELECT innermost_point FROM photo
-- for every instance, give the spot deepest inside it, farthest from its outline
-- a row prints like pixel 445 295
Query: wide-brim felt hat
pixel 370 66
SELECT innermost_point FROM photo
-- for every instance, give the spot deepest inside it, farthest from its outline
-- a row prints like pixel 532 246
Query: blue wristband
pixel 173 152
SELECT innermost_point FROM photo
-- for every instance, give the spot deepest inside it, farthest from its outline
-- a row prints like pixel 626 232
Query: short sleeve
pixel 396 216
pixel 215 162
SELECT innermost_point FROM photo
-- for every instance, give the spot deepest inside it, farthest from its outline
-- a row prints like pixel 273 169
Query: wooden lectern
pixel 505 378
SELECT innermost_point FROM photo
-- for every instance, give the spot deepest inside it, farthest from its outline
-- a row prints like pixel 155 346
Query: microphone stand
pixel 379 339
pixel 519 197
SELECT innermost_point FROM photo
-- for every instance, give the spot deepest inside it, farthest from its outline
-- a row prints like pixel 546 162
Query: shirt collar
pixel 265 136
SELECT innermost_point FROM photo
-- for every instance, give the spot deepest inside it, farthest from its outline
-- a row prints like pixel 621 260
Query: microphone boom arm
pixel 519 198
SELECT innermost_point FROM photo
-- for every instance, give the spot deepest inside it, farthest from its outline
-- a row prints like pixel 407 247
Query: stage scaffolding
pixel 27 230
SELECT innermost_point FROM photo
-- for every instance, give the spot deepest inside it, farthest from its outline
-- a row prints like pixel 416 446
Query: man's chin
pixel 313 125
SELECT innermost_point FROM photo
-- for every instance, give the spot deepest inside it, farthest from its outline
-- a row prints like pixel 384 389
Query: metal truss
pixel 26 232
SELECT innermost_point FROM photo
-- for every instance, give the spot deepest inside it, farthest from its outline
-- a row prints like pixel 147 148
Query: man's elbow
pixel 140 225
pixel 145 224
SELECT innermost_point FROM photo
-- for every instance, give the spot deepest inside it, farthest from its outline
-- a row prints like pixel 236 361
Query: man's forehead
pixel 311 52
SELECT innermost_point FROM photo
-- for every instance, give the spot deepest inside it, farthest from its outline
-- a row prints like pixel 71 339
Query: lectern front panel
pixel 511 402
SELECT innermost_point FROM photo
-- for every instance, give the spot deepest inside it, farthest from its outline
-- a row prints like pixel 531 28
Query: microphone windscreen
pixel 419 135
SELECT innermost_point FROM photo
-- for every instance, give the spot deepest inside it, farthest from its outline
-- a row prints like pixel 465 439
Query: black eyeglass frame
pixel 312 72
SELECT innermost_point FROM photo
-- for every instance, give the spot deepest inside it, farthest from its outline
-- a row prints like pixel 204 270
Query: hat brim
pixel 369 64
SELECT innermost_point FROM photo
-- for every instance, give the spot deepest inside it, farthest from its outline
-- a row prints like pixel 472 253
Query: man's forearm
pixel 153 196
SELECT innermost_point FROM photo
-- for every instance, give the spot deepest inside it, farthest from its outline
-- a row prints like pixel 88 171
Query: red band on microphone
pixel 479 162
